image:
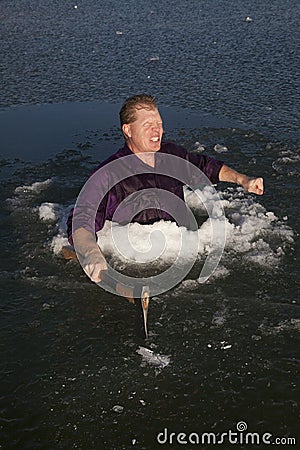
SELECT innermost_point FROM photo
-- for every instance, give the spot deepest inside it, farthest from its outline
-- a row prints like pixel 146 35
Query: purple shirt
pixel 154 193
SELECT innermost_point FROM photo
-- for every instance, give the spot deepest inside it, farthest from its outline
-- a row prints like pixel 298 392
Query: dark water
pixel 68 348
pixel 210 58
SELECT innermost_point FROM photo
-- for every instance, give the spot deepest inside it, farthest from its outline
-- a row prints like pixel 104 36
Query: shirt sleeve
pixel 209 166
pixel 89 211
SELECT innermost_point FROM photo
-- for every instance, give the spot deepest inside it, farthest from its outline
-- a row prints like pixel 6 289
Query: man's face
pixel 145 133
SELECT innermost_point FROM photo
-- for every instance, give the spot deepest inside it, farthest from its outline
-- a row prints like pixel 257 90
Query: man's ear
pixel 126 130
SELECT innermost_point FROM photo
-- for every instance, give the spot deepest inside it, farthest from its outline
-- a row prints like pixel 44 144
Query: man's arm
pixel 89 254
pixel 253 185
pixel 93 261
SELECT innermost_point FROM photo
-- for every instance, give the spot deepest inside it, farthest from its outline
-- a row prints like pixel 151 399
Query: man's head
pixel 141 123
pixel 133 104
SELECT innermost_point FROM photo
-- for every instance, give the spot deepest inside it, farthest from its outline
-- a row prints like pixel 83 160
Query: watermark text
pixel 240 436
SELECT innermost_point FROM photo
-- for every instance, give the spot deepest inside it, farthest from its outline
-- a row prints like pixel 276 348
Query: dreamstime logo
pixel 180 172
pixel 241 426
pixel 240 436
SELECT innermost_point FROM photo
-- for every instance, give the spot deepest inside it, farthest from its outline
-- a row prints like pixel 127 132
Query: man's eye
pixel 151 124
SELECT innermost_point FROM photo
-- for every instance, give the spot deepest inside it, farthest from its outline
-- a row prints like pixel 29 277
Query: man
pixel 142 128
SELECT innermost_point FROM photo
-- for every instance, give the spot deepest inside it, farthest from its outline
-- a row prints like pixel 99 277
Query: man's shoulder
pixel 174 149
pixel 118 154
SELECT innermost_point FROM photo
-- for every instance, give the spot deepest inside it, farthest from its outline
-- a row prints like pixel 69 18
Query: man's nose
pixel 157 126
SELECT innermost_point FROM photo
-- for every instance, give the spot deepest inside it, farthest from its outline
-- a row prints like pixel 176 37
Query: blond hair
pixel 134 103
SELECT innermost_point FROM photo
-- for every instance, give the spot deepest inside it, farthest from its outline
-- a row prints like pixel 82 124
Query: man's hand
pixel 93 264
pixel 253 185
